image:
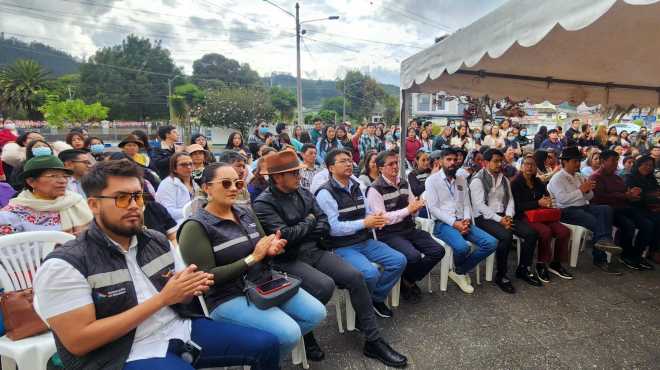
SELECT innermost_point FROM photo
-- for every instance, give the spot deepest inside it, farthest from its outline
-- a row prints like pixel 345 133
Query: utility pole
pixel 301 118
pixel 169 99
pixel 344 95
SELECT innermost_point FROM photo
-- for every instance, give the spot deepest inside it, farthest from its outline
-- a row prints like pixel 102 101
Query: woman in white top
pixel 592 164
pixel 463 139
pixel 494 140
pixel 178 188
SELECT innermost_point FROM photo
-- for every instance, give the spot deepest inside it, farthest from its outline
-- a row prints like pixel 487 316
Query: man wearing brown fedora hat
pixel 291 209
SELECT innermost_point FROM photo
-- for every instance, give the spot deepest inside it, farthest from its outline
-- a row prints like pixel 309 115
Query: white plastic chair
pixel 579 236
pixel 20 257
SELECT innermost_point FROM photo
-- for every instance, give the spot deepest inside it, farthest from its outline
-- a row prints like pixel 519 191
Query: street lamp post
pixel 299 33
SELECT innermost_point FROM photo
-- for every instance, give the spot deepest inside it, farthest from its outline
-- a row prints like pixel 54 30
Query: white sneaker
pixel 462 282
pixel 467 277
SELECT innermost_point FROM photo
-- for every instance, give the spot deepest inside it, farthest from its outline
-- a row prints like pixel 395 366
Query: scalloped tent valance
pixel 593 51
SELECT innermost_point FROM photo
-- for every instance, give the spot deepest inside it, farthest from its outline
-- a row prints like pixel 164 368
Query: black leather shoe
pixel 505 284
pixel 312 348
pixel 382 352
pixel 527 276
pixel 382 310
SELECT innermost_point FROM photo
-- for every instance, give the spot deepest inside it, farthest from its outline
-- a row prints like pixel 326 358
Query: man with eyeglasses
pixel 288 207
pixel 118 296
pixel 79 162
pixel 392 197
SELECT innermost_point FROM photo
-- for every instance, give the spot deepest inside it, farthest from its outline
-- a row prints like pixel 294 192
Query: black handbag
pixel 271 293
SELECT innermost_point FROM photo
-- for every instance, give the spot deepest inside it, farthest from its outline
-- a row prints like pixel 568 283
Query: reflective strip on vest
pixel 233 242
pixel 351 209
pixel 395 194
pixel 105 279
pixel 158 264
pixel 422 176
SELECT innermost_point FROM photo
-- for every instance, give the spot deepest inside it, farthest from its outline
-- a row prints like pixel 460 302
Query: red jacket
pixel 412 146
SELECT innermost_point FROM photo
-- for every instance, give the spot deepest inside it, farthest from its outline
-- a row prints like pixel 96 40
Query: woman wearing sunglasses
pixel 178 188
pixel 45 204
pixel 225 239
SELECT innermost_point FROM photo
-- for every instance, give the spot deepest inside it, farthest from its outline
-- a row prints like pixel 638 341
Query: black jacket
pixel 525 198
pixel 291 213
pixel 160 161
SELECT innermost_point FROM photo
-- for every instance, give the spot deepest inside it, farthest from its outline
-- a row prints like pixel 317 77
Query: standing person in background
pixel 343 138
pixel 239 162
pixel 511 142
pixel 76 139
pixel 495 139
pixel 160 156
pixel 355 140
pixel 327 143
pixel 540 137
pixel 601 137
pixel 553 141
pixel 317 131
pixel 530 193
pixel 178 188
pixel 368 169
pixel 572 136
pixel 613 137
pixel 258 138
pixel 641 142
pixel 425 139
pixel 412 145
pixel 370 141
pixel 441 141
pixel 79 162
pixel 235 142
pixel 592 162
pixel 463 139
pixel 298 134
pixel 587 137
pixel 95 146
pixel 505 127
pixel 311 168
pixel 417 177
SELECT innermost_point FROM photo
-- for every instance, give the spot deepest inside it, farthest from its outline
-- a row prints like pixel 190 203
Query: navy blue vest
pixel 394 199
pixel 351 207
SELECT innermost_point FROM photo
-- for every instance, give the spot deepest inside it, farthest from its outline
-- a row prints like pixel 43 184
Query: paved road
pixel 594 321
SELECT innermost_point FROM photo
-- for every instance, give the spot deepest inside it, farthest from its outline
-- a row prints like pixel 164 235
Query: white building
pixel 436 106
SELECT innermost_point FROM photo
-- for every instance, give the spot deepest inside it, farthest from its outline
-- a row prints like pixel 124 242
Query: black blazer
pixel 525 198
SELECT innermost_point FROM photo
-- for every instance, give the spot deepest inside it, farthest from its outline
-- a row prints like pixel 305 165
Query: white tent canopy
pixel 593 51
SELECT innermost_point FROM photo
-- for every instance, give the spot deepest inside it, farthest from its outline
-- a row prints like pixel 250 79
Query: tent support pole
pixel 403 122
pixel 550 80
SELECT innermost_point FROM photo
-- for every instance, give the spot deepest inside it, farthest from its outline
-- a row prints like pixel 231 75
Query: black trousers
pixel 421 251
pixel 505 238
pixel 320 270
pixel 627 220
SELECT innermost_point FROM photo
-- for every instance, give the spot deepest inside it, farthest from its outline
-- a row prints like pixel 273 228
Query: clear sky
pixel 372 36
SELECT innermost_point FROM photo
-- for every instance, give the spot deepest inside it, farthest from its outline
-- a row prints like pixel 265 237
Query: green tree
pixel 392 108
pixel 335 104
pixel 186 101
pixel 20 84
pixel 328 116
pixel 237 108
pixel 130 78
pixel 63 113
pixel 64 87
pixel 363 92
pixel 215 71
pixel 284 100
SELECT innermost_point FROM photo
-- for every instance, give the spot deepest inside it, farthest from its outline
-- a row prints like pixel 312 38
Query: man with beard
pixel 113 299
pixel 448 202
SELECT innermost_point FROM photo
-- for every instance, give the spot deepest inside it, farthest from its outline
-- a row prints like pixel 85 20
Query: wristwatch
pixel 250 260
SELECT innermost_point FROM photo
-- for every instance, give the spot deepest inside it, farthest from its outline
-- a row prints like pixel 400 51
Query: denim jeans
pixel 288 322
pixel 223 344
pixel 362 255
pixel 464 260
pixel 596 218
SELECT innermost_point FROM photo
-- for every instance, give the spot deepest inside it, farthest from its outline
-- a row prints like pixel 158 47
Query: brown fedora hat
pixel 131 139
pixel 279 162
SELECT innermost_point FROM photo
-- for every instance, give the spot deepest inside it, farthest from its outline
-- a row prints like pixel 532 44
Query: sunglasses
pixel 124 200
pixel 227 183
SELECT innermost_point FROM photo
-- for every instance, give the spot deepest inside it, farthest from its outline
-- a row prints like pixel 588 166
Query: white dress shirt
pixel 446 200
pixel 565 189
pixel 495 198
pixel 60 288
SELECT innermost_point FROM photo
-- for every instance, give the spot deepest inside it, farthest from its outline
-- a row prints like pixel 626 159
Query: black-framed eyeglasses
pixel 124 200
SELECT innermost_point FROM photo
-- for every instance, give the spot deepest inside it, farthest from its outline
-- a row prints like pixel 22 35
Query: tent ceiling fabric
pixel 596 41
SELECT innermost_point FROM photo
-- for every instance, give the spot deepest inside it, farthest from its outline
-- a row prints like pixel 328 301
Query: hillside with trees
pixel 54 61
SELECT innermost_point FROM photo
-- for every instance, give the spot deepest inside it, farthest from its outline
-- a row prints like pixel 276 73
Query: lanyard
pixel 450 188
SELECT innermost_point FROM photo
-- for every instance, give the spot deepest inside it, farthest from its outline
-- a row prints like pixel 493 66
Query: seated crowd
pixel 266 232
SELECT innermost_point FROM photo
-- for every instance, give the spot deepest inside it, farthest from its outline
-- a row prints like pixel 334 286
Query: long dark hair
pixel 197 135
pixel 230 141
pixel 641 160
pixel 364 166
pixel 539 157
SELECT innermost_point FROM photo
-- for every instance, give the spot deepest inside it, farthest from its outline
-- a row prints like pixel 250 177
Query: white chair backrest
pixel 202 302
pixel 21 255
pixel 187 209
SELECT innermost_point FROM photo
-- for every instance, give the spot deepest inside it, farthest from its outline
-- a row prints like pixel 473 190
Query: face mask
pixel 396 135
pixel 41 151
pixel 96 148
pixel 263 130
pixel 523 133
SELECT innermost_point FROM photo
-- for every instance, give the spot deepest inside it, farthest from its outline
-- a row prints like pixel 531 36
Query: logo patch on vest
pixel 111 293
pixel 459 187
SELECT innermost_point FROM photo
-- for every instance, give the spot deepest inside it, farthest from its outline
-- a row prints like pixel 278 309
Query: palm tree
pixel 20 82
